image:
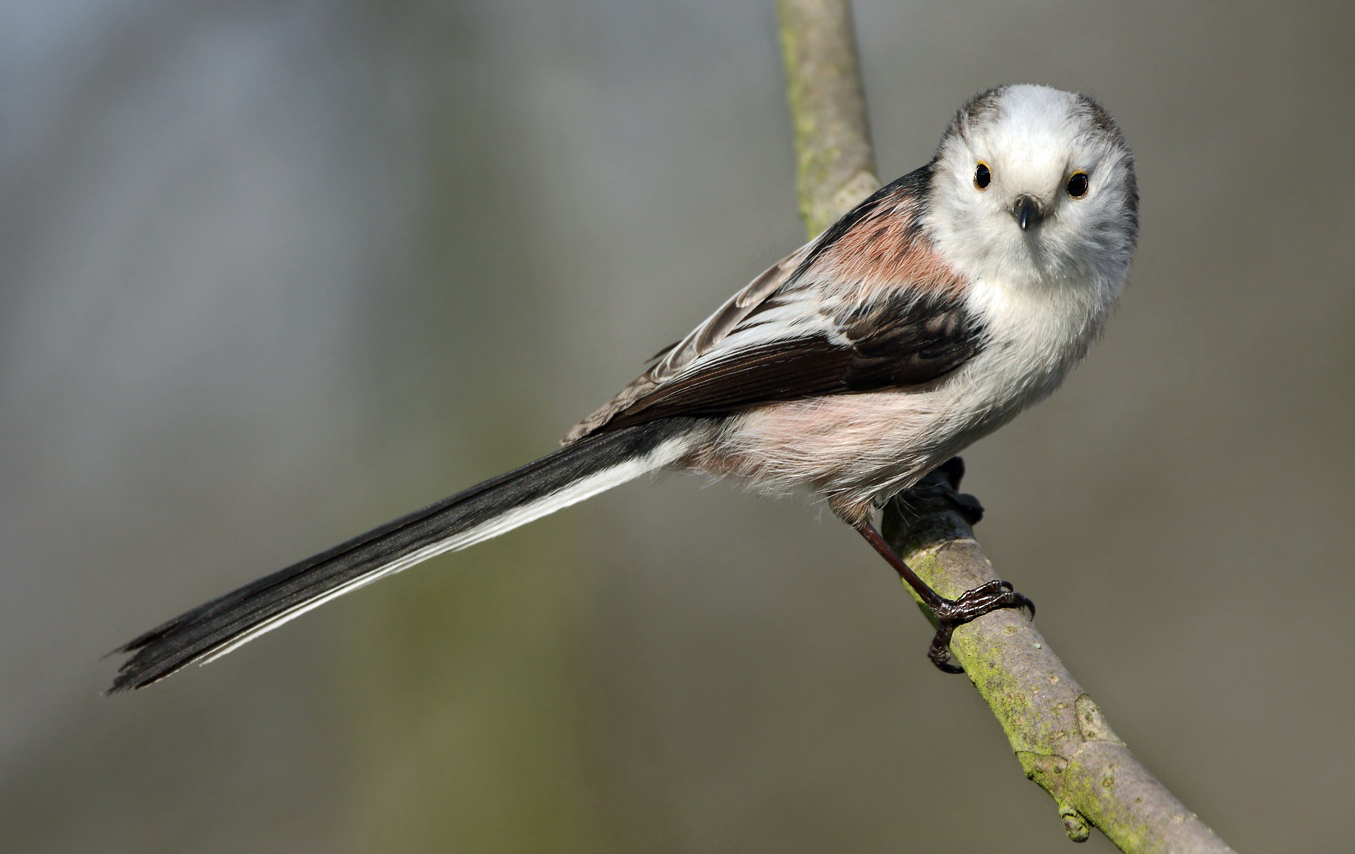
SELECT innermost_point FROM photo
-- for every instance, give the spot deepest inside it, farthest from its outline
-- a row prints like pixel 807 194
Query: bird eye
pixel 982 177
pixel 1078 184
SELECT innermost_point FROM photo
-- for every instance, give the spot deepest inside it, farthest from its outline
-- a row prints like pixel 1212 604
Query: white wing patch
pixel 699 341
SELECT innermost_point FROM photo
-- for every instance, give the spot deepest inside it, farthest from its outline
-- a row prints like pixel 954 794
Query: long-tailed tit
pixel 925 318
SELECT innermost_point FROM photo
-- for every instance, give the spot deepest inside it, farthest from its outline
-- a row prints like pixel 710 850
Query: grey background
pixel 273 273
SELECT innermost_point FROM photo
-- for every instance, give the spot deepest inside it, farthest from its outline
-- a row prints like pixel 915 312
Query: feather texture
pixel 898 342
pixel 866 305
pixel 486 510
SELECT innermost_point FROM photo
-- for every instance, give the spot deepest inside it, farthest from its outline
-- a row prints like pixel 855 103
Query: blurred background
pixel 272 273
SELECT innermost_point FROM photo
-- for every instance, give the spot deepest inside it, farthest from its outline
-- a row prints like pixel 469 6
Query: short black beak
pixel 1027 212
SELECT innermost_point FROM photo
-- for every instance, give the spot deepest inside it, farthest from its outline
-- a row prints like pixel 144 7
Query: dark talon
pixel 944 482
pixel 949 612
pixel 939 651
pixel 973 604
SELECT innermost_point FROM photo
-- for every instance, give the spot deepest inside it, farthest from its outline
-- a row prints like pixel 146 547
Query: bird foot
pixel 973 604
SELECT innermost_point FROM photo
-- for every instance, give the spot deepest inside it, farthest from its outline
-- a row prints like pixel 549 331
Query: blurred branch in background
pixel 1057 732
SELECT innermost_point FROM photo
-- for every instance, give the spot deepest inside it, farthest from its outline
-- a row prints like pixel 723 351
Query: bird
pixel 925 318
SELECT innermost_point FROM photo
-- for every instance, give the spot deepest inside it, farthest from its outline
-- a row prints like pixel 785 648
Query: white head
pixel 1035 186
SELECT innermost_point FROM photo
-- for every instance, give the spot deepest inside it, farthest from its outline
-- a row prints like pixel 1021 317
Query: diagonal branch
pixel 1058 733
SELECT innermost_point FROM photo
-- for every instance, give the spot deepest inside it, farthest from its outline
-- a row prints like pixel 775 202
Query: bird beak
pixel 1027 211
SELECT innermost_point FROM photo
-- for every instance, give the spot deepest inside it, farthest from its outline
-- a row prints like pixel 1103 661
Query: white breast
pixel 857 448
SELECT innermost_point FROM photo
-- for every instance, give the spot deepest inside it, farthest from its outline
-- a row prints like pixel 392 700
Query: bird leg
pixel 948 613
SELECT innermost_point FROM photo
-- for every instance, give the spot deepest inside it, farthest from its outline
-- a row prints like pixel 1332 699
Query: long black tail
pixel 496 506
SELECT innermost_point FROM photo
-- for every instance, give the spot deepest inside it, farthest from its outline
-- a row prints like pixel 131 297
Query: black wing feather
pixel 899 342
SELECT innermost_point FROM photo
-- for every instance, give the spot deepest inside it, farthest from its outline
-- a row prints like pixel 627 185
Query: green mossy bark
pixel 835 163
pixel 1056 730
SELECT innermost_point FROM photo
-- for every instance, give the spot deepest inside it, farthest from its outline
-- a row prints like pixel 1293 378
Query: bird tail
pixel 498 505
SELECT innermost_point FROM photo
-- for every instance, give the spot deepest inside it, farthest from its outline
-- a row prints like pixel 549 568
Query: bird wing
pixel 864 306
pixel 701 340
pixel 894 343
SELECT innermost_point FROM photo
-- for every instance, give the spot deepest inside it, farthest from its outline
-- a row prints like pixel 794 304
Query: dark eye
pixel 982 177
pixel 1078 184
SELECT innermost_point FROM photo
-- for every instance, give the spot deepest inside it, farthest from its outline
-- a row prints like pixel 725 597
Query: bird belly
pixel 848 449
pixel 855 450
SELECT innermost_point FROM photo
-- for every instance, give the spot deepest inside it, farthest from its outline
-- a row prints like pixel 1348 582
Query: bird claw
pixel 971 605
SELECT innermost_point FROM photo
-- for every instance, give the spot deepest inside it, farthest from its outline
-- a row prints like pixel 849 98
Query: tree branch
pixel 1058 733
pixel 836 165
